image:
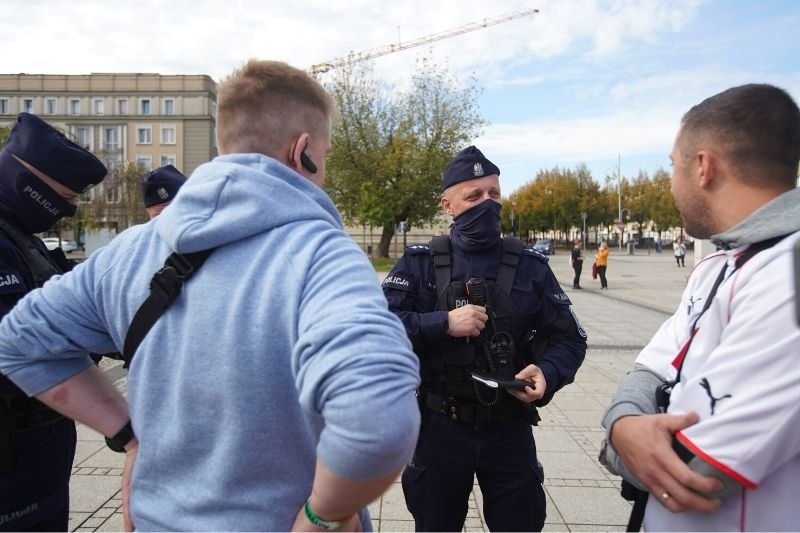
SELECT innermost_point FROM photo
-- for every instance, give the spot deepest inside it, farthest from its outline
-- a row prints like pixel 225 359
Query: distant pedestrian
pixel 577 264
pixel 159 189
pixel 679 247
pixel 601 259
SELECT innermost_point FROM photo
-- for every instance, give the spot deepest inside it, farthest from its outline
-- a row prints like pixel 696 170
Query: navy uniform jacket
pixel 539 303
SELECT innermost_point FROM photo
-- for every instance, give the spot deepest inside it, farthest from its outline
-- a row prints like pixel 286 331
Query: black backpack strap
pixel 165 286
pixel 440 250
pixel 512 249
pixel 40 267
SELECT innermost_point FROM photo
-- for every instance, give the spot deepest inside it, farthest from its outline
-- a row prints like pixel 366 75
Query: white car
pixel 53 242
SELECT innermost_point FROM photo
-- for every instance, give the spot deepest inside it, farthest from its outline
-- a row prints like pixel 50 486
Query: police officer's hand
pixel 467 321
pixel 538 386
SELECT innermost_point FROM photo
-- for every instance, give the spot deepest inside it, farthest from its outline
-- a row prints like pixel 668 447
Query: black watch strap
pixel 123 437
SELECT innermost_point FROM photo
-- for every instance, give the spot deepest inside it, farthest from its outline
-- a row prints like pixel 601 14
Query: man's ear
pixel 297 148
pixel 707 165
pixel 445 203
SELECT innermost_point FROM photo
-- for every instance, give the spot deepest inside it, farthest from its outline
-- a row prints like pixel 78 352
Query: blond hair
pixel 264 103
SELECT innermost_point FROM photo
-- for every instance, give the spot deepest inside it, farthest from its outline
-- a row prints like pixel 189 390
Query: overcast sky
pixel 581 81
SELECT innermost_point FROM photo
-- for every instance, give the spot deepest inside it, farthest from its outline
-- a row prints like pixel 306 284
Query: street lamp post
pixel 619 198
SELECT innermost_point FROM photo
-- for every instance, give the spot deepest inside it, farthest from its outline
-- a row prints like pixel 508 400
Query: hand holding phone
pixel 496 382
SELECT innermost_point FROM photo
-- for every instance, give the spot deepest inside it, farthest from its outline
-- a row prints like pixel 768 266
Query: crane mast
pixel 357 57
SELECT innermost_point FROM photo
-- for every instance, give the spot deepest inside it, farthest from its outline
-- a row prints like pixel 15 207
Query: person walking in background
pixel 577 264
pixel 679 247
pixel 601 259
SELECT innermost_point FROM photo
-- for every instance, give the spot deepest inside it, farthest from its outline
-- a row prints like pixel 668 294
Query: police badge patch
pixel 477 169
pixel 581 329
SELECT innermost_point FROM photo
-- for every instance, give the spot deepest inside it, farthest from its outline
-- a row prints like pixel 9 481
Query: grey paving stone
pixel 76 519
pixel 590 505
pixel 85 449
pixel 570 465
pixel 112 523
pixel 585 418
pixel 396 525
pixel 89 493
pixel 104 458
pixel 554 440
pixel 393 506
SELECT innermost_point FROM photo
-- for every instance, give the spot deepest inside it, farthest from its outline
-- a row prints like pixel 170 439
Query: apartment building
pixel 149 119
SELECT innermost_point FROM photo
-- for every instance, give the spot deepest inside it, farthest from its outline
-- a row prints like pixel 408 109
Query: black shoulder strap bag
pixel 165 286
pixel 629 491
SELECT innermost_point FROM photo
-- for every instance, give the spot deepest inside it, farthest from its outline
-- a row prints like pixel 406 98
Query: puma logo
pixel 707 386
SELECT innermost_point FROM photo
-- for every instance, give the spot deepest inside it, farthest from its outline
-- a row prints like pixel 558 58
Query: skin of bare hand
pixel 466 321
pixel 644 443
pixel 533 374
pixel 301 523
pixel 130 459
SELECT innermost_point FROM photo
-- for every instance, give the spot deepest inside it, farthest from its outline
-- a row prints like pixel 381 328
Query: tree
pixel 117 200
pixel 392 144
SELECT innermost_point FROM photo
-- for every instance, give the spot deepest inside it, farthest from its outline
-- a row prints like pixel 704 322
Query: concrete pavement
pixel 643 291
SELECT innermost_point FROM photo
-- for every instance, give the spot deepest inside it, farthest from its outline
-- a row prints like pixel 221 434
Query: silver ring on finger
pixel 664 496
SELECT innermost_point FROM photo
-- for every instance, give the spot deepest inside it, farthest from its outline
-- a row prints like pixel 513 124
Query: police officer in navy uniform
pixel 475 303
pixel 160 187
pixel 41 176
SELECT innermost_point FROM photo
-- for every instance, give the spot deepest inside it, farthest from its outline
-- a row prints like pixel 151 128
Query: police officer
pixel 474 302
pixel 41 176
pixel 160 187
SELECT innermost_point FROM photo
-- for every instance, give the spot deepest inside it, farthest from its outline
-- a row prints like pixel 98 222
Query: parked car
pixel 545 246
pixel 53 242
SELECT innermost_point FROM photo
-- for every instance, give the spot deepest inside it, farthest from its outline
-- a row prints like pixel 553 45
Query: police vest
pixel 447 367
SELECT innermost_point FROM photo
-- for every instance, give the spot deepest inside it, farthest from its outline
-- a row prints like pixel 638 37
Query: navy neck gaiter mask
pixel 478 227
pixel 34 205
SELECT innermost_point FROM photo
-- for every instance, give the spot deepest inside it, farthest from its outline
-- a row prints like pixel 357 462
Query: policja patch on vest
pixel 397 282
pixel 581 329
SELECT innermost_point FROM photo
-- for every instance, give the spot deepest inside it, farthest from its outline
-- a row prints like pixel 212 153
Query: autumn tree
pixel 393 142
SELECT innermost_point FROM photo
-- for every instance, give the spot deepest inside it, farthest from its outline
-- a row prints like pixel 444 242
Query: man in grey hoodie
pixel 277 391
pixel 709 412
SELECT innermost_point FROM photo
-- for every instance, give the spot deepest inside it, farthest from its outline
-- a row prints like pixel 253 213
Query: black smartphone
pixel 495 382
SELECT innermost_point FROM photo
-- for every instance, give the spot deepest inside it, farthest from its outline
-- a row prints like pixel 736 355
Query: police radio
pixel 476 291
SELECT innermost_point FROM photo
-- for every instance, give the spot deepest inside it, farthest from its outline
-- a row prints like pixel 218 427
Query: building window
pixel 51 106
pixel 169 106
pixel 110 140
pixel 145 162
pixel 112 195
pixel 5 109
pixel 168 159
pixel 27 105
pixel 74 106
pixel 144 106
pixel 168 134
pixel 98 106
pixel 144 135
pixel 83 136
pixel 122 106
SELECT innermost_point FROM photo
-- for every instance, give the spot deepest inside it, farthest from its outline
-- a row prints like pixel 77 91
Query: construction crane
pixel 357 57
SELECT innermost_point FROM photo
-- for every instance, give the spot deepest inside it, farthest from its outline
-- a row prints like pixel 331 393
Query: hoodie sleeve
pixel 354 365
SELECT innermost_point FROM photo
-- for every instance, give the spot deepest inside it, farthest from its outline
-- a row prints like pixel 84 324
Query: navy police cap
pixel 47 150
pixel 161 185
pixel 468 164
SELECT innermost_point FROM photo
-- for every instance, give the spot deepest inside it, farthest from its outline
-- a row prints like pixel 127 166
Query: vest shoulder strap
pixel 440 249
pixel 40 267
pixel 512 249
pixel 165 286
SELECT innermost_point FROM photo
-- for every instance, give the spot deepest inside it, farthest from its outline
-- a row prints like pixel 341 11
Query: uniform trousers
pixel 502 455
pixel 34 494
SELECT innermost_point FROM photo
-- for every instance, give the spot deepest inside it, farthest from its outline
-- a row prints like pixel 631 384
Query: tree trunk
pixel 386 239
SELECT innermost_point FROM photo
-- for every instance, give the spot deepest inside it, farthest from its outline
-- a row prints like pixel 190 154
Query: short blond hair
pixel 264 103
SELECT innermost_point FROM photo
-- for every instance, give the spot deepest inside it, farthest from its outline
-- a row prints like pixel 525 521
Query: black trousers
pixel 680 260
pixel 577 266
pixel 601 271
pixel 438 481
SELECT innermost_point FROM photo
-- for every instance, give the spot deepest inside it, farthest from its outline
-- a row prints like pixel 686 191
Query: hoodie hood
pixel 236 196
pixel 780 216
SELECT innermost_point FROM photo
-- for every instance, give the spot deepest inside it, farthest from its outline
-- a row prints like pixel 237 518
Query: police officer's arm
pixel 566 338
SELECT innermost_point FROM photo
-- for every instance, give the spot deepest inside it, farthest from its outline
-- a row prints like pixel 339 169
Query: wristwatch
pixel 123 437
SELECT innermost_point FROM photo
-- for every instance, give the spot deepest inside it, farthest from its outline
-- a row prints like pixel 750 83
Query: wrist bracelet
pixel 321 522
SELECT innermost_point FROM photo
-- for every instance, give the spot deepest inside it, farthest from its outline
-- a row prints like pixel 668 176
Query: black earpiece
pixel 307 162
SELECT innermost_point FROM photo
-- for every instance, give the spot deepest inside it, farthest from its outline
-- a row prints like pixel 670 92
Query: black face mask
pixel 28 199
pixel 478 227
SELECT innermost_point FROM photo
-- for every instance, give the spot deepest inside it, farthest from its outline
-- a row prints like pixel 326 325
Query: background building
pixel 149 119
